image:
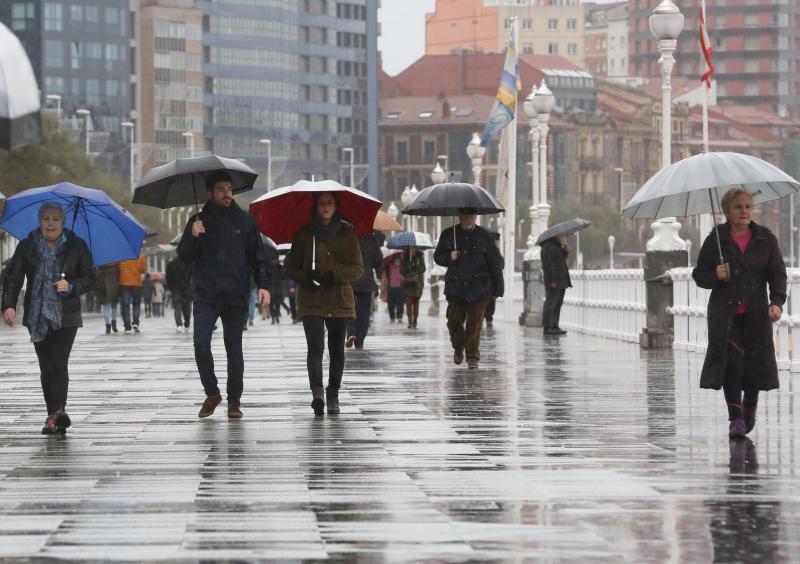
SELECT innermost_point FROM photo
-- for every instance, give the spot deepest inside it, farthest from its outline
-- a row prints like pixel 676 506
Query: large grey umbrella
pixel 182 182
pixel 20 121
pixel 566 227
pixel 450 198
pixel 694 186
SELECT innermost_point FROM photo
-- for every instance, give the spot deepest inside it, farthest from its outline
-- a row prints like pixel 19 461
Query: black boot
pixel 114 326
pixel 317 403
pixel 108 328
pixel 333 401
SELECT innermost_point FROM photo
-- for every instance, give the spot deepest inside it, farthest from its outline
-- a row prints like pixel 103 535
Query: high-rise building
pixel 79 50
pixel 546 27
pixel 302 74
pixel 756 49
pixel 606 40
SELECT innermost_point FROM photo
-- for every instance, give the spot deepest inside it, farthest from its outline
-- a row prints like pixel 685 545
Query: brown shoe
pixel 210 405
pixel 234 412
pixel 472 364
pixel 351 340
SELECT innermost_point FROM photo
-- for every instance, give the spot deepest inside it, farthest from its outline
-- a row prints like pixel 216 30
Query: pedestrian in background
pixel 363 289
pixel 325 297
pixel 393 281
pixel 412 267
pixel 474 276
pixel 277 289
pixel 179 282
pixel 740 357
pixel 148 288
pixel 158 297
pixel 58 267
pixel 556 281
pixel 108 293
pixel 130 291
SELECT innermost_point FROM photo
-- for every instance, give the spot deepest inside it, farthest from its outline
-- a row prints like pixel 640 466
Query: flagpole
pixel 706 220
pixel 511 208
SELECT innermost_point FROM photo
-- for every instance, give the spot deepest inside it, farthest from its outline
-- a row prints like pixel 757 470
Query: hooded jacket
pixel 478 273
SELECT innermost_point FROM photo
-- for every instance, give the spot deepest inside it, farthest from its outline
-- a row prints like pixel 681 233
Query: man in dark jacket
pixel 556 281
pixel 363 290
pixel 179 283
pixel 224 247
pixel 474 276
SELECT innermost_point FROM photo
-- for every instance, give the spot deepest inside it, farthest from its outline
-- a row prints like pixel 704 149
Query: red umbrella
pixel 280 213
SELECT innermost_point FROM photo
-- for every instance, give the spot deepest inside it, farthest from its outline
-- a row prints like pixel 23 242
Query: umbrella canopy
pixel 385 222
pixel 176 239
pixel 566 227
pixel 282 212
pixel 182 182
pixel 450 198
pixel 410 239
pixel 2 203
pixel 689 186
pixel 111 233
pixel 20 121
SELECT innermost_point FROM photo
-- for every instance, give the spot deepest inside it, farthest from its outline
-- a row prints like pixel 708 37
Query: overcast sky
pixel 402 38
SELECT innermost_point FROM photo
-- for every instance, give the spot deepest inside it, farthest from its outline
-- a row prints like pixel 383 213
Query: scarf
pixel 45 308
pixel 326 231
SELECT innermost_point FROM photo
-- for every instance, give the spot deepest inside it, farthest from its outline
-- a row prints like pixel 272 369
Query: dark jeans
pixel 314 327
pixel 553 300
pixel 182 307
pixel 53 353
pixel 396 303
pixel 130 296
pixel 293 306
pixel 464 322
pixel 360 325
pixel 490 308
pixel 148 308
pixel 734 385
pixel 233 320
pixel 412 309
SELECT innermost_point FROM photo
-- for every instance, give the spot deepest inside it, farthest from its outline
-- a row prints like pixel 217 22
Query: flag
pixel 504 109
pixel 707 49
pixel 503 165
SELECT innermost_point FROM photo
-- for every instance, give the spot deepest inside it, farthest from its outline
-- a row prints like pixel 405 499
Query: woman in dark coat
pixel 325 296
pixel 740 357
pixel 108 293
pixel 556 281
pixel 412 267
pixel 59 268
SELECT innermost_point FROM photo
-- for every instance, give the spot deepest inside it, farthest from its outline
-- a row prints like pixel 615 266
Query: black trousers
pixel 314 327
pixel 739 394
pixel 360 325
pixel 182 308
pixel 233 319
pixel 396 301
pixel 553 300
pixel 53 353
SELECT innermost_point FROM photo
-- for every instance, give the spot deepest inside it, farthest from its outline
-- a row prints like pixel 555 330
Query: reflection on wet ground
pixel 561 449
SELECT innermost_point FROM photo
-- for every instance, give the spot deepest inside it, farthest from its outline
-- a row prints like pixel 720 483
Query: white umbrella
pixel 20 122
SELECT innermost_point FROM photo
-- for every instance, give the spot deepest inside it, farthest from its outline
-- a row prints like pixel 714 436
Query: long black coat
pixel 478 273
pixel 760 265
pixel 372 259
pixel 179 278
pixel 225 256
pixel 74 260
pixel 554 265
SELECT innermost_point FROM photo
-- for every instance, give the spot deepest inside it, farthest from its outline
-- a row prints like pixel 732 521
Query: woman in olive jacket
pixel 325 296
pixel 740 357
pixel 412 267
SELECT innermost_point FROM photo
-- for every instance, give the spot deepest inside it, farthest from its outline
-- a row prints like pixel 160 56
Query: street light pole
pixel 475 152
pixel 132 127
pixel 350 150
pixel 534 251
pixel 268 143
pixel 57 99
pixel 190 136
pixel 620 172
pixel 85 114
pixel 611 241
pixel 543 102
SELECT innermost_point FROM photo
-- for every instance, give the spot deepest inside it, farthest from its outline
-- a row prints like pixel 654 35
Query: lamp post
pixel 268 143
pixel 190 136
pixel 84 113
pixel 132 127
pixel 57 99
pixel 611 241
pixel 543 102
pixel 405 199
pixel 412 194
pixel 620 173
pixel 438 176
pixel 475 152
pixel 533 252
pixel 350 150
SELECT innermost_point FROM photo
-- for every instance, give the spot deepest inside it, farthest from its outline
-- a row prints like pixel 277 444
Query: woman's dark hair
pixel 217 176
pixel 315 198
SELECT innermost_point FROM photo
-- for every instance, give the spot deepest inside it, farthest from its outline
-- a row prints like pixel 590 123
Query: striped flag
pixel 708 50
pixel 504 109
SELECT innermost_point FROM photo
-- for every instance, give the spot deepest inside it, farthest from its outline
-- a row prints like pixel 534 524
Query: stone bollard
pixel 533 293
pixel 664 251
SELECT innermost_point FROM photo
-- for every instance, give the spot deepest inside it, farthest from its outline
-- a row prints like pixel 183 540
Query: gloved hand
pixel 312 278
pixel 327 279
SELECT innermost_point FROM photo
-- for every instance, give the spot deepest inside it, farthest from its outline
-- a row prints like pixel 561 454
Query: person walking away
pixel 130 291
pixel 179 282
pixel 108 294
pixel 291 291
pixel 412 267
pixel 158 298
pixel 148 287
pixel 740 357
pixel 556 281
pixel 492 305
pixel 474 275
pixel 277 284
pixel 224 247
pixel 394 285
pixel 325 297
pixel 363 288
pixel 58 267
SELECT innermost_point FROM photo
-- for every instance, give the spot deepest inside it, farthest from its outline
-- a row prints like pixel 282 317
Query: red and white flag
pixel 708 50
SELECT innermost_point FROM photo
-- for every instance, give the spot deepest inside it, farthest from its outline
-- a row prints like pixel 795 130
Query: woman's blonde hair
pixel 731 195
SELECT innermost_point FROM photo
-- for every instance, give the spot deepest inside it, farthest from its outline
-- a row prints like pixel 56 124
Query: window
pixel 425 114
pixel 92 91
pixel 91 13
pixel 750 89
pixel 402 152
pixel 572 24
pixel 552 24
pixel 572 48
pixel 751 66
pixel 53 17
pixel 21 12
pixel 552 48
pixel 751 20
pixel 112 16
pixel 93 51
pixel 76 13
pixel 76 85
pixel 393 114
pixel 429 150
pixel 54 85
pixel 112 88
pixel 75 55
pixel 527 23
pixel 527 48
pixel 112 54
pixel 53 53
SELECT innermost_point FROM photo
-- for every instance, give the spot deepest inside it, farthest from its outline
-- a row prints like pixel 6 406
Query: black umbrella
pixel 176 239
pixel 182 182
pixel 451 198
pixel 20 120
pixel 567 227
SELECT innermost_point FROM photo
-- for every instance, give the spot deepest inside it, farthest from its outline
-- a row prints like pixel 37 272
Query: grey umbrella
pixel 20 122
pixel 182 182
pixel 566 227
pixel 449 198
pixel 694 186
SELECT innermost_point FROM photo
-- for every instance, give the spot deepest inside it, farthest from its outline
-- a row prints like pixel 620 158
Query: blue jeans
pixel 130 296
pixel 359 326
pixel 110 313
pixel 251 306
pixel 233 320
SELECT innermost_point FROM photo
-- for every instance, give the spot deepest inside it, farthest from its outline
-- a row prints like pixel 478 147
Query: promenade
pixel 559 450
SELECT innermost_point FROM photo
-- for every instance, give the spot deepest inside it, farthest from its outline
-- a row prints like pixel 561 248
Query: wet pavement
pixel 557 449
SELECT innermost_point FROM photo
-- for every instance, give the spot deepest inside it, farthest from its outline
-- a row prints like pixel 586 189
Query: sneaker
pixel 458 357
pixel 737 429
pixel 136 329
pixel 351 340
pixel 114 326
pixel 749 418
pixel 178 329
pixel 63 422
pixel 49 425
pixel 127 331
pixel 210 405
pixel 108 328
pixel 472 364
pixel 234 411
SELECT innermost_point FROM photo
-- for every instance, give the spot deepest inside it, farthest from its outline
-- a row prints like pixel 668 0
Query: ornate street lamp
pixel 438 175
pixel 84 113
pixel 529 107
pixel 543 102
pixel 475 152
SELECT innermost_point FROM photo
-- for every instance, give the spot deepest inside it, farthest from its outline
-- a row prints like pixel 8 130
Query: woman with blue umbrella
pixel 59 268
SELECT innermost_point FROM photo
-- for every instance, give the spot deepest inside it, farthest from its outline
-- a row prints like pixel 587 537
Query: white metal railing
pixel 606 303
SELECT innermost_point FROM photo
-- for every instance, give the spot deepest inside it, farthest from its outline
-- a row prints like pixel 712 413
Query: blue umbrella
pixel 111 232
pixel 410 239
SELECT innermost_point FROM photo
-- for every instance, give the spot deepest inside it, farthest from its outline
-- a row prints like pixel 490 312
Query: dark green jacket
pixel 413 271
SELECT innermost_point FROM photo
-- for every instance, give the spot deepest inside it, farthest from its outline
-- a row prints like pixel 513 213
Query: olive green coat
pixel 338 254
pixel 413 271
